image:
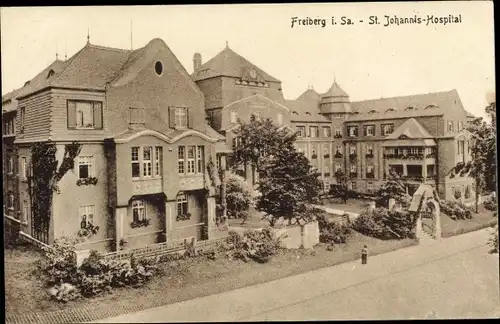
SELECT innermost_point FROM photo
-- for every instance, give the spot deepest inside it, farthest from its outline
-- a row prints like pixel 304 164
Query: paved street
pixel 453 278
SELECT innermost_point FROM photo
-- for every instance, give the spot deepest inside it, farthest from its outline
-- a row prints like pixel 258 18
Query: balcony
pixel 147 186
pixel 337 136
pixel 369 155
pixel 353 174
pixel 370 175
pixel 338 155
pixel 404 156
pixel 352 156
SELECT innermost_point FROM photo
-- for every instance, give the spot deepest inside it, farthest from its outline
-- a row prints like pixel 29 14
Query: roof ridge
pixel 409 95
pixel 109 48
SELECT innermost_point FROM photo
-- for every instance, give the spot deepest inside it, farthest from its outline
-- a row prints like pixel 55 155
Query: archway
pixel 425 203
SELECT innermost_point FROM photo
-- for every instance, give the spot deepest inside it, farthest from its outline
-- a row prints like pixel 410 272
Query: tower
pixel 196 61
pixel 335 101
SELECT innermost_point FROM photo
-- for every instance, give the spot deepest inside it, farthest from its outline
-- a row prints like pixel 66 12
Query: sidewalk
pixel 245 302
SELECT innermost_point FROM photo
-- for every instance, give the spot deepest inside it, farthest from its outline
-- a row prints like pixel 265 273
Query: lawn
pixel 353 205
pixel 182 280
pixel 450 227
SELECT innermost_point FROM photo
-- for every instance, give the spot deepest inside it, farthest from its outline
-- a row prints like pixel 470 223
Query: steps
pixel 426 238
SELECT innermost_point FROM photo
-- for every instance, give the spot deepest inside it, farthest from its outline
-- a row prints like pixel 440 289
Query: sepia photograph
pixel 249 162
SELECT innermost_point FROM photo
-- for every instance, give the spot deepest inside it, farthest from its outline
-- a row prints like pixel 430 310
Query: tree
pixel 393 188
pixel 238 196
pixel 259 138
pixel 288 187
pixel 340 189
pixel 482 167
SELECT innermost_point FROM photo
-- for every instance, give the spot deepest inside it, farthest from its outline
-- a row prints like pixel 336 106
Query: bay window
pixel 84 114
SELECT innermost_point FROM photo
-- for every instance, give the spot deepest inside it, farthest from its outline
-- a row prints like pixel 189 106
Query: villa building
pixel 148 130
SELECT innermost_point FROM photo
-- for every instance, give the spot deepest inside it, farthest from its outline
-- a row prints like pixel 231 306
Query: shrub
pixel 259 246
pixel 59 264
pixel 331 231
pixel 457 194
pixel 95 275
pixel 382 223
pixel 490 204
pixel 455 210
pixel 238 196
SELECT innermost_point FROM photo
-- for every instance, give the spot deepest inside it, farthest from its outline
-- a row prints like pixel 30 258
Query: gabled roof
pixel 310 95
pixel 229 63
pixel 411 129
pixel 431 104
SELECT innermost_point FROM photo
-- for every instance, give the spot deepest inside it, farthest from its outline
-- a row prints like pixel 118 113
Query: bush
pixel 457 194
pixel 386 224
pixel 95 275
pixel 490 204
pixel 259 246
pixel 455 210
pixel 332 232
pixel 238 196
pixel 59 264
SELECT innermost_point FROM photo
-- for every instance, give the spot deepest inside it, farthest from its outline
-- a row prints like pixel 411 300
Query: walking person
pixel 364 255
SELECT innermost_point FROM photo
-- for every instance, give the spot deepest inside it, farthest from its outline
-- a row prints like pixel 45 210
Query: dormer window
pixel 389 110
pixel 431 106
pixel 372 112
pixel 51 73
pixel 308 113
pixel 295 113
pixel 26 83
pixel 409 108
pixel 355 112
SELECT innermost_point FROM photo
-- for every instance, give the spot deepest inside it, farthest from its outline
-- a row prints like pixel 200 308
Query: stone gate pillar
pixel 418 230
pixel 436 213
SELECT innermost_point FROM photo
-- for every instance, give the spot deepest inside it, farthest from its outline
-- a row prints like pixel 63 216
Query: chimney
pixel 196 61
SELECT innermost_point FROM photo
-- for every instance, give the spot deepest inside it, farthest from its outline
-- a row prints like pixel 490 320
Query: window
pixel 236 142
pixel 190 159
pixel 182 205
pixel 352 131
pixel 468 147
pixel 84 114
pixel 327 132
pixel 85 167
pixel 369 149
pixel 313 153
pixel 25 214
pixel 338 150
pixel 135 163
pixel 138 211
pixel 147 151
pixel 338 167
pixel 326 150
pixel 314 131
pixel 353 168
pixel 22 168
pixel 460 125
pixel 387 129
pixel 137 116
pixel 158 68
pixel 158 160
pixel 450 126
pixel 86 216
pixel 369 169
pixel 353 150
pixel 22 113
pixel 301 131
pixel 180 117
pixel 369 130
pixel 200 158
pixel 415 150
pixel 234 117
pixel 180 159
pixel 326 171
pixel 369 186
pixel 10 202
pixel 280 119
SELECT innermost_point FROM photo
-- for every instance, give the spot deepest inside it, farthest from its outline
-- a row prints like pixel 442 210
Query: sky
pixel 368 61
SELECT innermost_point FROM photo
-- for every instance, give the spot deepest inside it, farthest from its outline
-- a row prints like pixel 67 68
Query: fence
pixel 164 248
pixel 28 238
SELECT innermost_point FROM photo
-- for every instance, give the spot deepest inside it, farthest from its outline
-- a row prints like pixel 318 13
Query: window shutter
pixel 171 117
pixel 189 118
pixel 71 114
pixel 365 131
pixel 98 115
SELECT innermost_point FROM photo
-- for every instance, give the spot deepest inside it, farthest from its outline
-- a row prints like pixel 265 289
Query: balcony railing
pixel 352 156
pixel 433 177
pixel 337 136
pixel 369 155
pixel 370 175
pixel 338 155
pixel 414 178
pixel 404 156
pixel 353 174
pixel 430 155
